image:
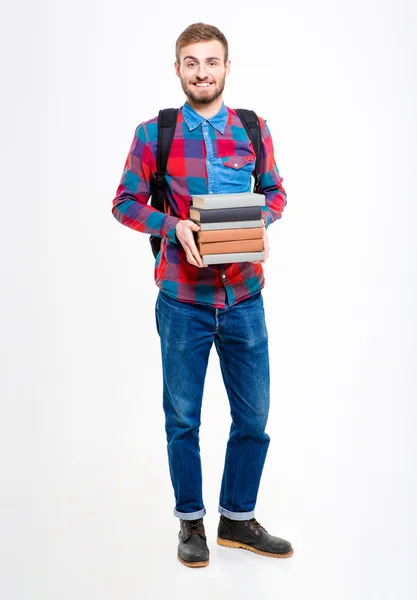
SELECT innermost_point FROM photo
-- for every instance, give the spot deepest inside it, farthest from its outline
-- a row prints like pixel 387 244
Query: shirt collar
pixel 194 120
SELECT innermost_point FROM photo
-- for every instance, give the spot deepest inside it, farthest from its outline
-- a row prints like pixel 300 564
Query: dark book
pixel 221 215
pixel 229 225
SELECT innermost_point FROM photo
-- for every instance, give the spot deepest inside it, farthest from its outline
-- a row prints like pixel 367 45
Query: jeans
pixel 239 332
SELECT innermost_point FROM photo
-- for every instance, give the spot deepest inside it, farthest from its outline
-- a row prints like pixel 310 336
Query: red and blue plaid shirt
pixel 207 156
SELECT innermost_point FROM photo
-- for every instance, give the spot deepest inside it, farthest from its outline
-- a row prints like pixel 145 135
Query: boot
pixel 192 544
pixel 250 535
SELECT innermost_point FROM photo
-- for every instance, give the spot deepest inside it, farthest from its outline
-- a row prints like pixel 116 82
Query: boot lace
pixel 195 526
pixel 255 526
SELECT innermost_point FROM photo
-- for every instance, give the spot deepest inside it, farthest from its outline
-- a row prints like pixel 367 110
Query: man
pixel 198 305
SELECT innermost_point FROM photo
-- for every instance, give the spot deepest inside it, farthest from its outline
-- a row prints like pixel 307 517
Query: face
pixel 202 71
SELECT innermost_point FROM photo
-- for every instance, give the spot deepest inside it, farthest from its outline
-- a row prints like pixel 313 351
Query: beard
pixel 204 96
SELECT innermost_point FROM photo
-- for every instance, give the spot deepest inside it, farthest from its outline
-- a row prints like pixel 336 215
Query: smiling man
pixel 203 77
pixel 197 306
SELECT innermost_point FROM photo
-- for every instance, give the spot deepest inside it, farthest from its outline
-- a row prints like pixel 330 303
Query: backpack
pixel 167 121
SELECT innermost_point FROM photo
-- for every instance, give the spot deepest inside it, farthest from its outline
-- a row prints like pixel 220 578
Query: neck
pixel 207 110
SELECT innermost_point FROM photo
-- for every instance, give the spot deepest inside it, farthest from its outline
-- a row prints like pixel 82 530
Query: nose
pixel 201 71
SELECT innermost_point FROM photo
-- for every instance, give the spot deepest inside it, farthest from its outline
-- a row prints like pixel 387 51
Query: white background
pixel 86 500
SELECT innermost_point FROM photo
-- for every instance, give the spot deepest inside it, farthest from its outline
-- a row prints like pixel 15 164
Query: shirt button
pixel 210 192
pixel 224 276
pixel 208 162
pixel 236 164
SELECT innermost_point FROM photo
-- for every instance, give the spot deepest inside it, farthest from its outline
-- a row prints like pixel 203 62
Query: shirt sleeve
pixel 270 179
pixel 130 205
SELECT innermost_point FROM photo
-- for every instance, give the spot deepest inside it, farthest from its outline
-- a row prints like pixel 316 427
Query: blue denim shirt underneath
pixel 219 179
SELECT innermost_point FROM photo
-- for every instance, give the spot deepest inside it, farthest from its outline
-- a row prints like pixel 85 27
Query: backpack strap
pixel 167 121
pixel 253 129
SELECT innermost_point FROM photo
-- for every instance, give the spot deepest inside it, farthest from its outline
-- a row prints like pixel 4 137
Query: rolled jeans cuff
pixel 236 516
pixel 190 516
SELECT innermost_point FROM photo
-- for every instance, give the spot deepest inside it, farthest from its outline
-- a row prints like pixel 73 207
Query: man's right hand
pixel 184 232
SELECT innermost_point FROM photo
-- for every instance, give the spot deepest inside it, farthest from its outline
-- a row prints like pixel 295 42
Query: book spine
pixel 216 259
pixel 217 215
pixel 228 247
pixel 214 201
pixel 228 225
pixel 226 235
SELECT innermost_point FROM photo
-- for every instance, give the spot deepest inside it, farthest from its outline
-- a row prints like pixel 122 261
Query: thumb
pixel 194 226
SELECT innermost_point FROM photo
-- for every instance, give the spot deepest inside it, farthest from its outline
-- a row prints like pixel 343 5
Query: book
pixel 225 235
pixel 228 247
pixel 212 201
pixel 229 225
pixel 216 215
pixel 216 259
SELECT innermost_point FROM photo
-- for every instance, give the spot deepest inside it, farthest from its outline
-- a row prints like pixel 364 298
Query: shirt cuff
pixel 170 226
pixel 265 217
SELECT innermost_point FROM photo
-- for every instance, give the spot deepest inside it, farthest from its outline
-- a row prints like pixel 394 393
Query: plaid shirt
pixel 207 156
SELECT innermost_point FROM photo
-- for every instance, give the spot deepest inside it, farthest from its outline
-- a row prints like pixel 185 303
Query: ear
pixel 227 67
pixel 177 68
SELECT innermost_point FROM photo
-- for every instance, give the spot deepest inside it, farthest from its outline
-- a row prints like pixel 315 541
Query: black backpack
pixel 167 120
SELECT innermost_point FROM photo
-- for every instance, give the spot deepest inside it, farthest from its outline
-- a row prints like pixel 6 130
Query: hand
pixel 184 231
pixel 265 245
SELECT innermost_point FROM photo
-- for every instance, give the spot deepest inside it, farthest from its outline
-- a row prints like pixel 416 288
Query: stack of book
pixel 230 227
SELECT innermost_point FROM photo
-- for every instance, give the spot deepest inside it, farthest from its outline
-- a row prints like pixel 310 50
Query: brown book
pixel 229 235
pixel 228 247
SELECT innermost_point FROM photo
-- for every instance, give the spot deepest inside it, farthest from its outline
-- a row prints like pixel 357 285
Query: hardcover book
pixel 229 225
pixel 212 201
pixel 216 259
pixel 216 215
pixel 227 247
pixel 224 235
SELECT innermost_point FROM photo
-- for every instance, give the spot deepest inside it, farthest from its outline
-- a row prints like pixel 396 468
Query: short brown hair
pixel 200 32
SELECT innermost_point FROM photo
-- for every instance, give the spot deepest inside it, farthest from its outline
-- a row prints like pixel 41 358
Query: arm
pixel 270 180
pixel 130 205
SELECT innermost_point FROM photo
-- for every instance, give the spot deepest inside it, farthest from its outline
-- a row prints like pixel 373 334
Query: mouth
pixel 202 85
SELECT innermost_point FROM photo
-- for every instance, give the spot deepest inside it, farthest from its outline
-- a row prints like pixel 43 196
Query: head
pixel 202 63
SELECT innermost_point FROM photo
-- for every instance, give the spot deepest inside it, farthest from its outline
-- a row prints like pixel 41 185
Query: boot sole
pixel 232 544
pixel 202 563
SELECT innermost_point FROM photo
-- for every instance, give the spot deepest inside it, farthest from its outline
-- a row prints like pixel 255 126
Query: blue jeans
pixel 239 332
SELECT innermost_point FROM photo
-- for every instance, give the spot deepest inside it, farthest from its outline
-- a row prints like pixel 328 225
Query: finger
pixel 194 251
pixel 191 259
pixel 193 256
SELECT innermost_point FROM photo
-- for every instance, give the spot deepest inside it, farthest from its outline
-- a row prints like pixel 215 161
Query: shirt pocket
pixel 236 174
